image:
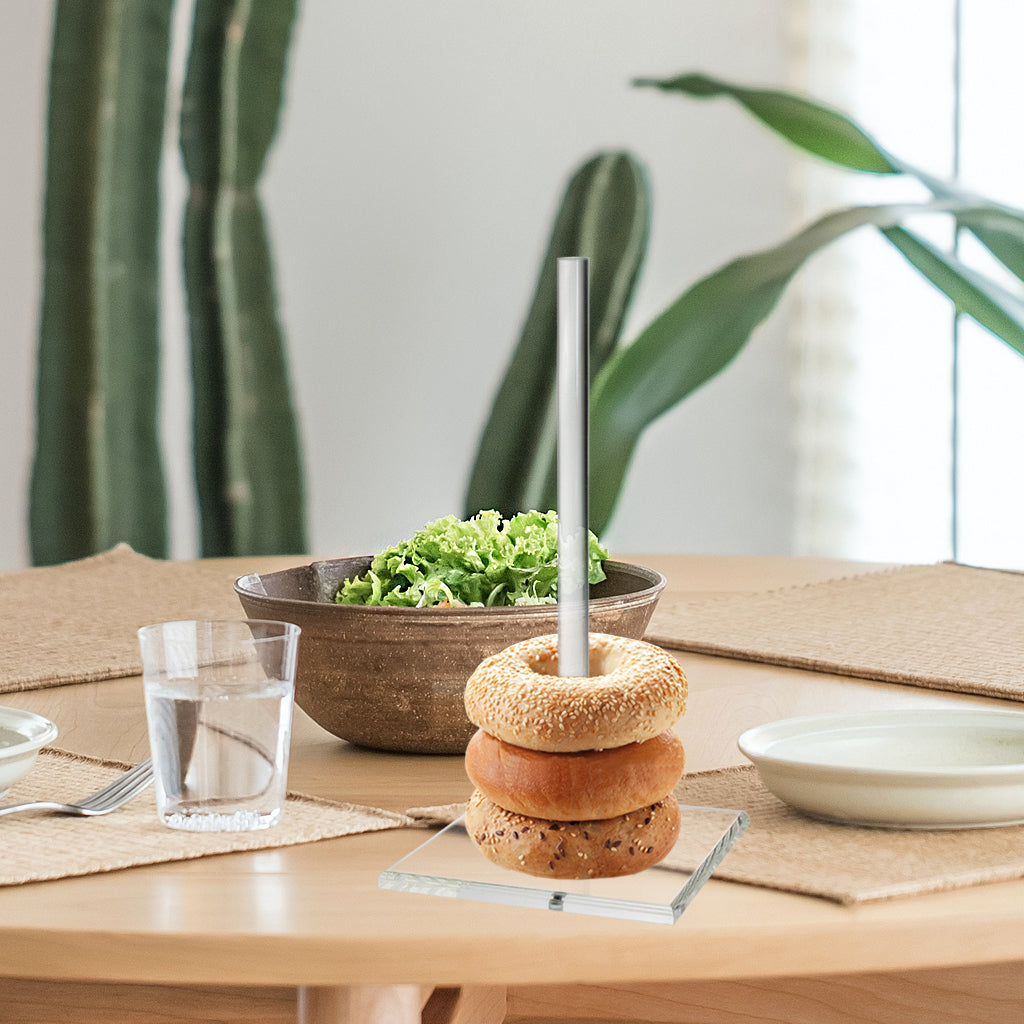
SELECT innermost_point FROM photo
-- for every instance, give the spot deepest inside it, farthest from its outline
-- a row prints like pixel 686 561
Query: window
pixel 910 424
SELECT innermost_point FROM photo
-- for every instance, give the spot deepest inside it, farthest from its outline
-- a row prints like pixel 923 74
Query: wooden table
pixel 305 933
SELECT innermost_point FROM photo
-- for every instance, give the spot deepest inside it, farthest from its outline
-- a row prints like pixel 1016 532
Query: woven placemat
pixel 76 622
pixel 943 626
pixel 784 849
pixel 42 847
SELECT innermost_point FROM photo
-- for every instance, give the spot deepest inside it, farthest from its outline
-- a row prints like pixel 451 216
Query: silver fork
pixel 103 801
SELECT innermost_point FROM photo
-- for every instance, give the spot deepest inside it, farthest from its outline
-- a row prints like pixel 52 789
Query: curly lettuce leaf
pixel 483 561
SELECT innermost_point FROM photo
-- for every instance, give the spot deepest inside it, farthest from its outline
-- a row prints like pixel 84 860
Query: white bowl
pixel 934 768
pixel 22 733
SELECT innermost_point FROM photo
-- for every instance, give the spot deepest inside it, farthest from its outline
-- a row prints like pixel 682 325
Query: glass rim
pixel 286 630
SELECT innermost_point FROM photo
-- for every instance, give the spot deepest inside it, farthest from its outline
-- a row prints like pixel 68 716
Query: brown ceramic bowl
pixel 393 678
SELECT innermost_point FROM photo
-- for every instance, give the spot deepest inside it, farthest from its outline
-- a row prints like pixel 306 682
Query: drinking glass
pixel 219 698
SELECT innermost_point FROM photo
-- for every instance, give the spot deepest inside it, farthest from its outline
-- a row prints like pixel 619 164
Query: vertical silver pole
pixel 573 466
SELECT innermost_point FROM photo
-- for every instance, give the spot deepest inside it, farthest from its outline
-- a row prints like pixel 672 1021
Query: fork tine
pixel 121 789
pixel 109 798
pixel 115 800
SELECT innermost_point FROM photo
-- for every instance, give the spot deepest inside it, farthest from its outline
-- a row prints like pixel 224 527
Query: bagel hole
pixel 603 662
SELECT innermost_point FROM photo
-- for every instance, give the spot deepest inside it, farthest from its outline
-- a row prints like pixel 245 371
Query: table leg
pixel 471 1004
pixel 364 1004
pixel 402 1004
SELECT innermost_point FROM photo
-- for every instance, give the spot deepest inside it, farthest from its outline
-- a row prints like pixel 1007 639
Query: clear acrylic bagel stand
pixel 449 864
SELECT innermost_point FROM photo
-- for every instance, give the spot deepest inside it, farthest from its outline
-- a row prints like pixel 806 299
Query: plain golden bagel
pixel 636 692
pixel 623 845
pixel 575 785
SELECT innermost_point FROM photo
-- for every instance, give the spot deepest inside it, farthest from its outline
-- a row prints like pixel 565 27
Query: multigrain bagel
pixel 623 845
pixel 636 691
pixel 575 785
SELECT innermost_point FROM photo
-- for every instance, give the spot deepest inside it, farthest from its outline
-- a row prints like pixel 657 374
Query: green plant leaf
pixel 811 126
pixel 604 214
pixel 700 333
pixel 991 305
pixel 827 133
pixel 999 228
pixel 698 336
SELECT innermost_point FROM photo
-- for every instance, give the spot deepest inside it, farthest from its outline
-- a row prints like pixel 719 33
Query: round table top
pixel 315 915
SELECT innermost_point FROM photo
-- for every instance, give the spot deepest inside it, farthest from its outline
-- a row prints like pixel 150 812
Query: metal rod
pixel 573 466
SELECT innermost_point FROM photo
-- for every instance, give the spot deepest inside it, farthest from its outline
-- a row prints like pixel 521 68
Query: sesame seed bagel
pixel 517 695
pixel 575 785
pixel 622 845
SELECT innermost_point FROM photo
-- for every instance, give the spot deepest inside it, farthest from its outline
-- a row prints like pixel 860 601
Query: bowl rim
pixel 654 588
pixel 35 730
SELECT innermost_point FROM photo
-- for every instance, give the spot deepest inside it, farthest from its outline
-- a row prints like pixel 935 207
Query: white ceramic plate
pixel 22 733
pixel 934 768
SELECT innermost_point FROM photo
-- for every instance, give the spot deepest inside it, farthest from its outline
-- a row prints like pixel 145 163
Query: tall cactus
pixel 248 466
pixel 96 475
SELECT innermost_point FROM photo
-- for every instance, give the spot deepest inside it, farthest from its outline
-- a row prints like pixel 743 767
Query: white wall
pixel 23 48
pixel 423 149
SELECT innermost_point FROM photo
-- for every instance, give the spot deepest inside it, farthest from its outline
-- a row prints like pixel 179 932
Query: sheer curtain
pixel 872 343
pixel 908 429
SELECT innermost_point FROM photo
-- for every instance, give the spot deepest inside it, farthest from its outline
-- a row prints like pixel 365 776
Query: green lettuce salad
pixel 484 561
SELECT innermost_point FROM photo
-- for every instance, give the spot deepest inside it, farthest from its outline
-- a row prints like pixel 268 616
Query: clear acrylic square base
pixel 448 864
